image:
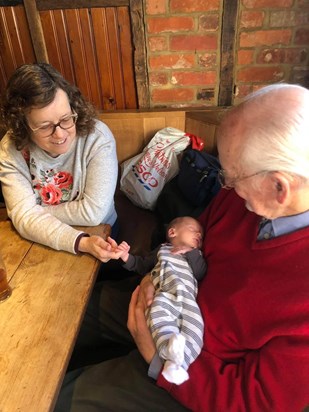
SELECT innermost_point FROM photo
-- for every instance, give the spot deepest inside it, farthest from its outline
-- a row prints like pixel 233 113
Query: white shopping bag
pixel 144 175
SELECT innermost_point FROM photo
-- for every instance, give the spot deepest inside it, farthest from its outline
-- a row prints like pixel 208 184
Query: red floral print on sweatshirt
pixel 51 194
pixel 51 187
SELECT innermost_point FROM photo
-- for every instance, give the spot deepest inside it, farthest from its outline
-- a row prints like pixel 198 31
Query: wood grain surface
pixel 40 321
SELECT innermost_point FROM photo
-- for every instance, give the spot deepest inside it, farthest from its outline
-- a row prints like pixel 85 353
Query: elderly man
pixel 255 296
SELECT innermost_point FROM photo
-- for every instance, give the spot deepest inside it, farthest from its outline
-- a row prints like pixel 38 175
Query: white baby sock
pixel 176 348
pixel 173 371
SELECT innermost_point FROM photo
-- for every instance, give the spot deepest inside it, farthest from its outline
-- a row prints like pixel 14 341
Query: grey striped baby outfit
pixel 174 309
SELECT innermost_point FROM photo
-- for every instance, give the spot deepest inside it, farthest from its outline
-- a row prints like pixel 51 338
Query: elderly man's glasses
pixel 230 183
pixel 48 129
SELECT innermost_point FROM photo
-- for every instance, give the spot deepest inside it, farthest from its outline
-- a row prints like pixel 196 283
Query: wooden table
pixel 40 321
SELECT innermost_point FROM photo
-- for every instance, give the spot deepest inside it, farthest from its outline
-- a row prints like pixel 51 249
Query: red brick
pixel 303 4
pixel 296 55
pixel 251 19
pixel 172 95
pixel 302 37
pixel 300 75
pixel 288 56
pixel 158 79
pixel 157 43
pixel 171 61
pixel 260 74
pixel 205 95
pixel 207 59
pixel 243 90
pixel 189 6
pixel 271 56
pixel 209 22
pixel 256 87
pixel 245 56
pixel 265 38
pixel 285 18
pixel 302 17
pixel 256 4
pixel 155 6
pixel 194 78
pixel 194 42
pixel 173 24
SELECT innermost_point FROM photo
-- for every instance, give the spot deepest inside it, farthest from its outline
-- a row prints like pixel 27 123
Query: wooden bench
pixel 132 131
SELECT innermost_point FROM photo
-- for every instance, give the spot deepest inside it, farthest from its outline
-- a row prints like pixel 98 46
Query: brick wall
pixel 183 48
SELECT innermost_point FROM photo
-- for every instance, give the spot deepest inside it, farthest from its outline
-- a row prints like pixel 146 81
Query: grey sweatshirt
pixel 44 195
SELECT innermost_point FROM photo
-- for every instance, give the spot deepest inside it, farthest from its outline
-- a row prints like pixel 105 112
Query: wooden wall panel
pixel 127 57
pixel 53 24
pixel 103 55
pixel 115 57
pixel 15 42
pixel 93 48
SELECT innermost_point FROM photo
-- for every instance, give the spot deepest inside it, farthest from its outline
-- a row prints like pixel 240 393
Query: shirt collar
pixel 288 224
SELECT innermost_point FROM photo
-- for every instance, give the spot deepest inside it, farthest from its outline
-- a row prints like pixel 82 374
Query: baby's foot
pixel 174 373
pixel 176 348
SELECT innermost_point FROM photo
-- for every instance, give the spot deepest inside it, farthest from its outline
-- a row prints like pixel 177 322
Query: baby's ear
pixel 171 232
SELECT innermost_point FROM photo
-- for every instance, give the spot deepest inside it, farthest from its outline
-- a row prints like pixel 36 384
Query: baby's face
pixel 189 233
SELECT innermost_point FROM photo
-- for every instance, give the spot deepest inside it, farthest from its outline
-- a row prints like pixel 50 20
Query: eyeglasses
pixel 50 128
pixel 223 179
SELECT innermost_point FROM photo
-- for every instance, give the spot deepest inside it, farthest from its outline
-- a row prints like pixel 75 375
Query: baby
pixel 174 317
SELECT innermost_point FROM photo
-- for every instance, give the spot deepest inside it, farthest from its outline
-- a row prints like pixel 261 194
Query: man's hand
pixel 101 249
pixel 138 328
pixel 147 291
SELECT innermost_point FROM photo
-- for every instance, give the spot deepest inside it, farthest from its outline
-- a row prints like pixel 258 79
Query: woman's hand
pixel 101 249
pixel 138 328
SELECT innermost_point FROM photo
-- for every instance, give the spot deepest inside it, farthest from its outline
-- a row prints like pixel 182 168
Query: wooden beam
pixel 226 87
pixel 140 54
pixel 78 4
pixel 36 31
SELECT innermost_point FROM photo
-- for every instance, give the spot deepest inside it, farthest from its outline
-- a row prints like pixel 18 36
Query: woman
pixel 58 164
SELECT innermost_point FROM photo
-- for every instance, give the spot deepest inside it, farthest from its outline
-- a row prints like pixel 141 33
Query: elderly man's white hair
pixel 274 129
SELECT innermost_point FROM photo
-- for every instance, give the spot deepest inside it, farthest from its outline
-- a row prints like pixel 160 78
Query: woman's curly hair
pixel 35 86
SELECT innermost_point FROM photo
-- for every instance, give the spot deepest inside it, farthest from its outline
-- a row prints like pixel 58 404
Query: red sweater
pixel 255 304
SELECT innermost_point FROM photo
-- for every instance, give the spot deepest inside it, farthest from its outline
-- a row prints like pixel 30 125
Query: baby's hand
pixel 124 248
pixel 178 250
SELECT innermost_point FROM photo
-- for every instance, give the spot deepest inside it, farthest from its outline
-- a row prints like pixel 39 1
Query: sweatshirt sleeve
pixel 142 265
pixel 31 220
pixel 197 263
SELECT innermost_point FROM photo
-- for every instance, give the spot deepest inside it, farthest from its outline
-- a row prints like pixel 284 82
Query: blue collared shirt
pixel 283 225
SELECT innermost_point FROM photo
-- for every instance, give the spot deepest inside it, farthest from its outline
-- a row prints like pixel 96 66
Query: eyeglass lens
pixel 50 129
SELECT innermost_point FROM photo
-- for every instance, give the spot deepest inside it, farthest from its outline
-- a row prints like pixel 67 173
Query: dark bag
pixel 198 177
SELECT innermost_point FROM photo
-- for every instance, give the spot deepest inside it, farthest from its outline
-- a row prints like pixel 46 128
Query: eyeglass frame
pixel 74 116
pixel 222 178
